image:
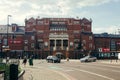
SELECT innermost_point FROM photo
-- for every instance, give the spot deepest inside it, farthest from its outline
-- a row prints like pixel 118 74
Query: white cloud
pixel 109 29
pixel 84 3
pixel 21 9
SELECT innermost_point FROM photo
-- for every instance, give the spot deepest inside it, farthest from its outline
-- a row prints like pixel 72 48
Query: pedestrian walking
pixel 31 61
pixel 25 61
pixel 7 60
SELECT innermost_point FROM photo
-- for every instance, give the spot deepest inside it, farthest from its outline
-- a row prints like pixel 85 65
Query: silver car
pixel 88 59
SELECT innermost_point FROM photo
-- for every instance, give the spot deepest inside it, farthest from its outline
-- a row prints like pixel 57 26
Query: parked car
pixel 88 59
pixel 53 59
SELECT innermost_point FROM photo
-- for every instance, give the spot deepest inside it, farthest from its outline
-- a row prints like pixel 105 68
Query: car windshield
pixel 54 56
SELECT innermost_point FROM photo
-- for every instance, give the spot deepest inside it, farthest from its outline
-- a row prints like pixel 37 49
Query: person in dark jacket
pixel 25 61
pixel 31 61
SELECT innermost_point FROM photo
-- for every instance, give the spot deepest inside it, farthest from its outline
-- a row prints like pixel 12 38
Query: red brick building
pixel 107 45
pixel 69 36
pixel 14 45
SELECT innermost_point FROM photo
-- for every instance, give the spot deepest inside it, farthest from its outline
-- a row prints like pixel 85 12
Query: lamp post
pixel 7 47
pixel 8 26
pixel 1 47
pixel 119 31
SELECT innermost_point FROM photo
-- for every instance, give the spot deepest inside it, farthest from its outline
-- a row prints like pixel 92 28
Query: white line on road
pixel 92 73
pixel 95 74
pixel 68 77
pixel 107 66
pixel 97 68
pixel 60 73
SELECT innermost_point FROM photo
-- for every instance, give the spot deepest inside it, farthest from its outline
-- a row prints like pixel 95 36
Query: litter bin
pixel 1 60
pixel 13 72
pixel 67 59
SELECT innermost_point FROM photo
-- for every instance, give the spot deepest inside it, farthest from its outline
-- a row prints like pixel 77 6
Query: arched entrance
pixel 59 43
pixel 60 55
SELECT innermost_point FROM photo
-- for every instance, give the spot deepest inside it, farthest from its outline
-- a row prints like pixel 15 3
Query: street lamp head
pixel 8 19
pixel 9 15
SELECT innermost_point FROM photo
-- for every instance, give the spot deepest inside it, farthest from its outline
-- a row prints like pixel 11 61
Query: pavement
pixel 37 72
pixel 40 73
pixel 117 62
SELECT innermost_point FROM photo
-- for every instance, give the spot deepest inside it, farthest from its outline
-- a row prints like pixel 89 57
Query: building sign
pixel 16 42
pixel 118 43
pixel 4 41
pixel 104 50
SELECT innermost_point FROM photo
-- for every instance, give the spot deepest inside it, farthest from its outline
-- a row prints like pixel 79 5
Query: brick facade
pixel 65 32
pixel 107 45
pixel 47 36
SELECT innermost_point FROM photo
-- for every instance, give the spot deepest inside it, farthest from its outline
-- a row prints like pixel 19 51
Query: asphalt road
pixel 75 70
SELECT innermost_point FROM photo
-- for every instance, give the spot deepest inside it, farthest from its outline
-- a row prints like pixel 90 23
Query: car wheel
pixel 52 61
pixel 94 60
pixel 86 60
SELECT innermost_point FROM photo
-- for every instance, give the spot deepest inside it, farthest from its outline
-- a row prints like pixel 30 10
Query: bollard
pixel 67 59
pixel 13 72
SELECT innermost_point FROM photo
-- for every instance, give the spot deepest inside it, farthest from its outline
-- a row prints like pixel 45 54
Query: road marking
pixel 68 77
pixel 107 66
pixel 95 74
pixel 92 73
pixel 97 68
pixel 69 70
pixel 58 68
pixel 55 67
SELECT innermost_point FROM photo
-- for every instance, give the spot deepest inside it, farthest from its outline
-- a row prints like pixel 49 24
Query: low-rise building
pixel 106 45
pixel 11 38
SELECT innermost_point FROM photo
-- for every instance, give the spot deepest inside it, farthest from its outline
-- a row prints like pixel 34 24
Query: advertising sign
pixel 16 42
pixel 118 55
pixel 104 49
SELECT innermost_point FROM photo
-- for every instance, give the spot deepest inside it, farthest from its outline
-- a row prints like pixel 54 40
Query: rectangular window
pixel 32 45
pixel 5 41
pixel 76 22
pixel 76 31
pixel 32 37
pixel 40 31
pixel 25 47
pixel 0 41
pixel 90 37
pixel 40 22
pixel 13 36
pixel 90 45
pixel 25 41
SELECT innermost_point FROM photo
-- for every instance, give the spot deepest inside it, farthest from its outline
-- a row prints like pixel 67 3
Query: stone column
pixel 54 51
pixel 62 44
pixel 54 48
pixel 67 53
pixel 55 44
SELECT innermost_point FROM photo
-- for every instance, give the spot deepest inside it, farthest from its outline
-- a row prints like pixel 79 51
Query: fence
pixel 2 75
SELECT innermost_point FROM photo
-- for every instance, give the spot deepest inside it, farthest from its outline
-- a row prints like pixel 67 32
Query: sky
pixel 105 14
